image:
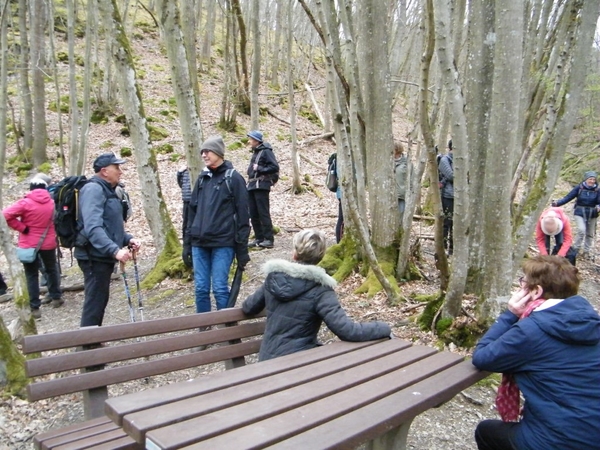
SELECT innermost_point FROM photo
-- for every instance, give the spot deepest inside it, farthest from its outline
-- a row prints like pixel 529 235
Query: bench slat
pixel 37 439
pixel 114 440
pixel 76 360
pixel 76 435
pixel 283 424
pixel 92 335
pixel 377 418
pixel 118 407
pixel 330 389
pixel 114 375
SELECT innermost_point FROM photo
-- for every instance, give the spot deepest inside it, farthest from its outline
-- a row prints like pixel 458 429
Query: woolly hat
pixel 37 183
pixel 216 145
pixel 256 135
pixel 551 225
pixel 589 174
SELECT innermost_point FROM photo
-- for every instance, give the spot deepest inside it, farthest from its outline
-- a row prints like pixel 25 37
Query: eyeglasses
pixel 522 281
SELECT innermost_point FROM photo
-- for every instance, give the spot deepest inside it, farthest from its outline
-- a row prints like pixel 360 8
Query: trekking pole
pixel 137 285
pixel 124 274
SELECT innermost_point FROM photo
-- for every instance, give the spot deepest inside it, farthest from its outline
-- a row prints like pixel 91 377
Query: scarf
pixel 508 396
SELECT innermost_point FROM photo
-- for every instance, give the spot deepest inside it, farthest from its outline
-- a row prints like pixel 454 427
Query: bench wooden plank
pixel 272 429
pixel 93 335
pixel 114 440
pixel 77 360
pixel 76 435
pixel 330 397
pixel 137 424
pixel 385 415
pixel 118 407
pixel 113 375
pixel 37 439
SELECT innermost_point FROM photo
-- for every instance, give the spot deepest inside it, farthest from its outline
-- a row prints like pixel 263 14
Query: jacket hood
pixel 584 185
pixel 39 196
pixel 573 321
pixel 262 146
pixel 288 280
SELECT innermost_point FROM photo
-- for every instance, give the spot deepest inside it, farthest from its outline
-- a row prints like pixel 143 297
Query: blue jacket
pixel 587 200
pixel 103 230
pixel 555 357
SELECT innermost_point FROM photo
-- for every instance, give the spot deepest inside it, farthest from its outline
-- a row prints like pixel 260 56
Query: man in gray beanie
pixel 217 226
pixel 586 210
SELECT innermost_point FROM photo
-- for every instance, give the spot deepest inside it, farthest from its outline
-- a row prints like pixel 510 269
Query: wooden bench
pixel 336 396
pixel 88 360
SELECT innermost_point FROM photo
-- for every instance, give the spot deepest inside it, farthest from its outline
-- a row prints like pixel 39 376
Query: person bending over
pixel 299 296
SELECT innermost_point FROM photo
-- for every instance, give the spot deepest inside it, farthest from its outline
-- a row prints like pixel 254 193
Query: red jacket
pixel 540 237
pixel 35 211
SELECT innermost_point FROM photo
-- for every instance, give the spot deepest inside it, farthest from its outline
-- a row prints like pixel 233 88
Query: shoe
pixel 254 243
pixel 266 244
pixel 46 300
pixel 57 302
pixel 36 313
pixel 2 291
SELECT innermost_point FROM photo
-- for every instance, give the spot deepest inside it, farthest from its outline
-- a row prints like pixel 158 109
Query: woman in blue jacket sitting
pixel 548 342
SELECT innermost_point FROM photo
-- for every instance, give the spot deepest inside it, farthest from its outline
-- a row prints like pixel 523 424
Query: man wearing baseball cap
pixel 263 172
pixel 102 240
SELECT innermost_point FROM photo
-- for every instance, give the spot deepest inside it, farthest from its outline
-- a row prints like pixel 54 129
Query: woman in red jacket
pixel 30 216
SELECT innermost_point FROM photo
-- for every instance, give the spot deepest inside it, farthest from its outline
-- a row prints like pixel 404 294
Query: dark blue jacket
pixel 555 357
pixel 103 229
pixel 587 200
pixel 299 298
pixel 218 217
pixel 267 172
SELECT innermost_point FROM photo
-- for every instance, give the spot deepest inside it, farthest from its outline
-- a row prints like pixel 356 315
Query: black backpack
pixel 66 209
pixel 331 179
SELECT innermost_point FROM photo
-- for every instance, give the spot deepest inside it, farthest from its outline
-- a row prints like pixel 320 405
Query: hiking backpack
pixel 331 179
pixel 66 209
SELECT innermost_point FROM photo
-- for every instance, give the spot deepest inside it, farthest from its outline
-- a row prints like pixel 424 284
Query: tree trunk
pixel 24 78
pixel 38 22
pixel 191 128
pixel 296 182
pixel 162 230
pixel 254 106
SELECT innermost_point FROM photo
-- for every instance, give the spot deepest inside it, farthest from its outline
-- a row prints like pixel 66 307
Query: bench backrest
pixel 166 340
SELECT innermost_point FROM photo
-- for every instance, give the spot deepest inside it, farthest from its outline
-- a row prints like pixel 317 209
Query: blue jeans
pixel 212 264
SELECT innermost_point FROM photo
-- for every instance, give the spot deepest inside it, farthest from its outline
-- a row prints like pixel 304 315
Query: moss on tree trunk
pixel 12 365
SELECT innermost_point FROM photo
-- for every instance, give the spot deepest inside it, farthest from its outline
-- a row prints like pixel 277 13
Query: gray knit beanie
pixel 216 145
pixel 589 174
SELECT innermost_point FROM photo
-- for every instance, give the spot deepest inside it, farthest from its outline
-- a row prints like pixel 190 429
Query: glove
pixel 26 230
pixel 242 256
pixel 186 255
pixel 553 204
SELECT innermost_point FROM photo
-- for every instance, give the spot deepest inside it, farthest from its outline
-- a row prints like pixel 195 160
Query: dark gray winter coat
pixel 298 298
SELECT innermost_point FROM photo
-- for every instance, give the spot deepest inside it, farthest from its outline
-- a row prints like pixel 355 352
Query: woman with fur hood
pixel 299 296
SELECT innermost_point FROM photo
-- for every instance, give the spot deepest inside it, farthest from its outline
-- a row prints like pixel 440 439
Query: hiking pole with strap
pixel 137 285
pixel 235 287
pixel 124 274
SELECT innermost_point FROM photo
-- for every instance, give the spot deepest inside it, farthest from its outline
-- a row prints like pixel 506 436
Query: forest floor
pixel 448 427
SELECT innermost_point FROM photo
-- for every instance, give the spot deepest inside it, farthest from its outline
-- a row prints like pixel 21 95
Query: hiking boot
pixel 46 300
pixel 57 302
pixel 254 243
pixel 266 244
pixel 36 313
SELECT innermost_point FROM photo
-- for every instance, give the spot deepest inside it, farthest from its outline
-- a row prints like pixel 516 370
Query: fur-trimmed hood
pixel 287 280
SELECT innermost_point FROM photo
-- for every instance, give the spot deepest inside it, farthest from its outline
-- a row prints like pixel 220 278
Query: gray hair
pixel 309 246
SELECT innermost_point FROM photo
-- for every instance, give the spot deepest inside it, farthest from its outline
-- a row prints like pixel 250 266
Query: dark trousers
pixel 496 435
pixel 260 214
pixel 339 226
pixel 3 286
pixel 48 257
pixel 96 286
pixel 448 208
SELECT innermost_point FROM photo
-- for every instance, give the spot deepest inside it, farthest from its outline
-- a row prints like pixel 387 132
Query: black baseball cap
pixel 105 160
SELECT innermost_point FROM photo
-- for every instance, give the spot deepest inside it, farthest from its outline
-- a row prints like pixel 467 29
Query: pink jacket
pixel 35 211
pixel 540 237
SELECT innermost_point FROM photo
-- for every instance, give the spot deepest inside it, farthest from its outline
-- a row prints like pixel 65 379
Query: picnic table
pixel 334 396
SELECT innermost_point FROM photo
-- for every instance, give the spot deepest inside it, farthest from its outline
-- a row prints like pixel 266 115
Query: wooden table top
pixel 295 400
